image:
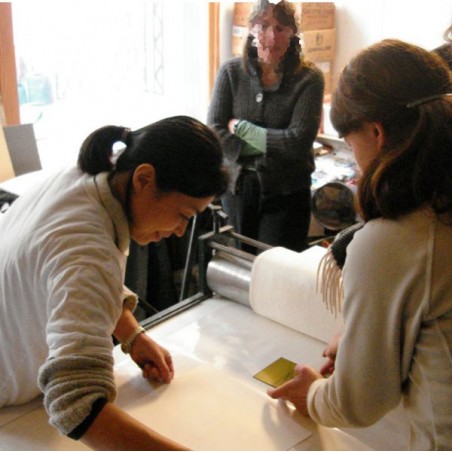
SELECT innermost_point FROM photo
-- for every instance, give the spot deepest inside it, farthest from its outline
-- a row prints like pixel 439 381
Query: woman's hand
pixel 231 125
pixel 154 360
pixel 330 352
pixel 328 368
pixel 296 390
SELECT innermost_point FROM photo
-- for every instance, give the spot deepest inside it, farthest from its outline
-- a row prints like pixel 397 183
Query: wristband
pixel 236 124
pixel 127 344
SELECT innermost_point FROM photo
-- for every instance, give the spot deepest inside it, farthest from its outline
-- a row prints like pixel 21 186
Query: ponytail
pixel 96 152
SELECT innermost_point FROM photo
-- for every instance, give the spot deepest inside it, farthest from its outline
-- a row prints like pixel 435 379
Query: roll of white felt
pixel 283 289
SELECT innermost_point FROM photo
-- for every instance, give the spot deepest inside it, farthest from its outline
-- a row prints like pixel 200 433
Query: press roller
pixel 223 267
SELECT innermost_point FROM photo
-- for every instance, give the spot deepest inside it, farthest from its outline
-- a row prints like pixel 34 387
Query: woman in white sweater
pixel 64 246
pixel 393 106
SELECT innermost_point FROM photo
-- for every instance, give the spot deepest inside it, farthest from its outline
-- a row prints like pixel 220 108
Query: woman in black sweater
pixel 266 107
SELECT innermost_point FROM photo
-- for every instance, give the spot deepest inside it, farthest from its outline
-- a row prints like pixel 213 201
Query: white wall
pixel 360 23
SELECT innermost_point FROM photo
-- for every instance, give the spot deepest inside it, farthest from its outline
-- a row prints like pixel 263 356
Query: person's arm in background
pixel 221 112
pixel 296 139
pixel 255 137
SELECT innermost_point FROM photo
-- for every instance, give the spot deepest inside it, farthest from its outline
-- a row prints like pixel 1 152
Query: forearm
pixel 367 367
pixel 125 325
pixel 72 384
pixel 114 429
pixel 297 137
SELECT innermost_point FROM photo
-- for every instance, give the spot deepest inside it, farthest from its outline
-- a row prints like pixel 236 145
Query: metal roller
pixel 230 277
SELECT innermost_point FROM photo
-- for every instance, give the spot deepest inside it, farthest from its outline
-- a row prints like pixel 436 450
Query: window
pixel 84 65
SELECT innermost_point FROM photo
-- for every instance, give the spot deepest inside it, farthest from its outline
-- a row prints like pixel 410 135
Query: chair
pixel 22 149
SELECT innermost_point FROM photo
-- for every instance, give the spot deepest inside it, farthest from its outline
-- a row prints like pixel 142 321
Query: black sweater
pixel 291 115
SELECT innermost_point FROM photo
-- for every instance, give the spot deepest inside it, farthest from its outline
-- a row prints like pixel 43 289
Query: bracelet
pixel 236 124
pixel 127 344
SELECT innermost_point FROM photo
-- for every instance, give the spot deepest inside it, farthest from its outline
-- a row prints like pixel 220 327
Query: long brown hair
pixel 403 87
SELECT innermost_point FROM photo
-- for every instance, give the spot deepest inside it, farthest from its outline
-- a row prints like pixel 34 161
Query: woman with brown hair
pixel 393 106
pixel 266 107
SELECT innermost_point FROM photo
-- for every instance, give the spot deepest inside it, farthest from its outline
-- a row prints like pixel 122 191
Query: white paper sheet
pixel 283 289
pixel 206 409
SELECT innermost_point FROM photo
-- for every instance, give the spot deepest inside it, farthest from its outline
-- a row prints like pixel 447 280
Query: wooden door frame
pixel 214 42
pixel 9 96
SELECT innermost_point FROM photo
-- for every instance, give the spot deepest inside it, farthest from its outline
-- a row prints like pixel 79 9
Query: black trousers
pixel 278 221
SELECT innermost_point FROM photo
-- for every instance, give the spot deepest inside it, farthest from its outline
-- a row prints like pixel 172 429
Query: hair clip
pixel 425 100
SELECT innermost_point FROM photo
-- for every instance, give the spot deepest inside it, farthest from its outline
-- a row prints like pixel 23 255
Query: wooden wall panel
pixel 214 42
pixel 9 97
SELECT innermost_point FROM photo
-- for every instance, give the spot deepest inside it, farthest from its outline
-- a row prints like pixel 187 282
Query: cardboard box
pixel 242 11
pixel 315 15
pixel 309 15
pixel 319 45
pixel 327 127
pixel 327 70
pixel 239 35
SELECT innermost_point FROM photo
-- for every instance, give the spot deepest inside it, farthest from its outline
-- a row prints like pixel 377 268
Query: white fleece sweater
pixel 63 252
pixel 398 331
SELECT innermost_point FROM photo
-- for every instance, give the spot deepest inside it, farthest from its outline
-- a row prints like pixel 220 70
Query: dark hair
pixel 186 154
pixel 382 84
pixel 445 52
pixel 284 13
